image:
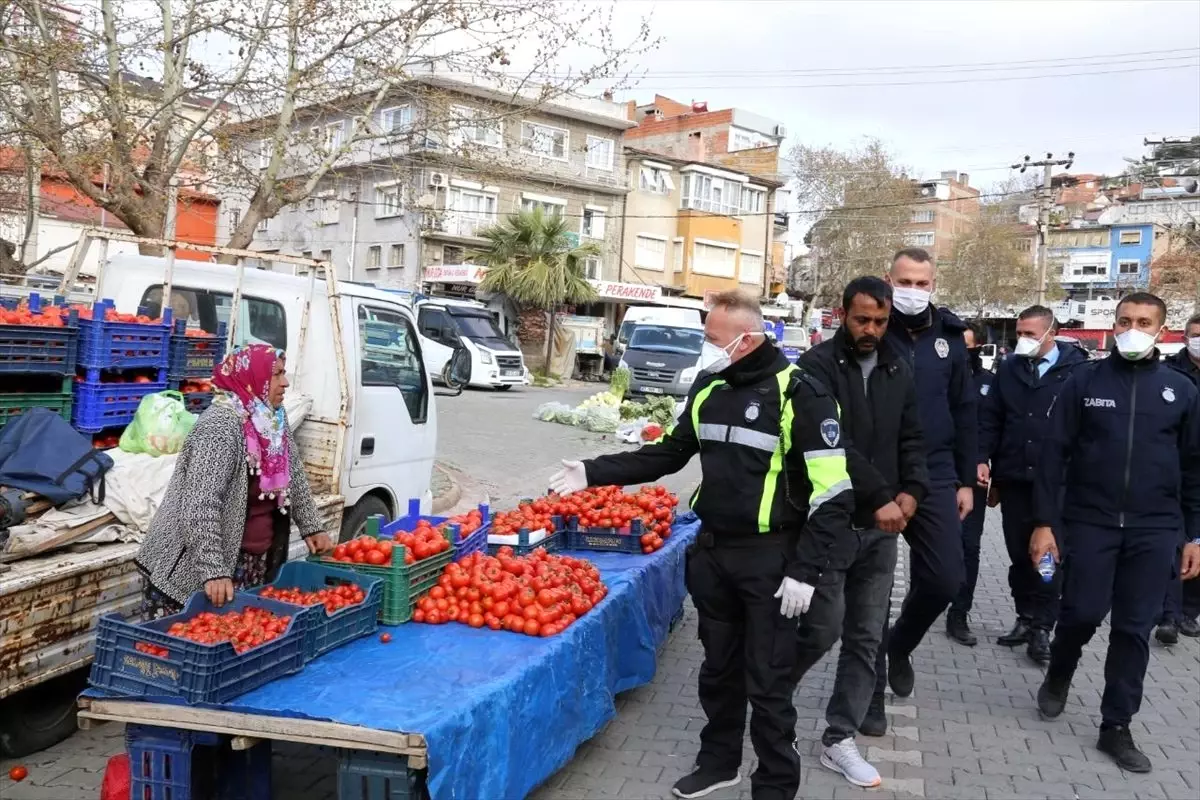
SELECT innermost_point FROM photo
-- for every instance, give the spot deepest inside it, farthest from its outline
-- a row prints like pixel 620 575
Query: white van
pixel 373 447
pixel 446 325
pixel 659 315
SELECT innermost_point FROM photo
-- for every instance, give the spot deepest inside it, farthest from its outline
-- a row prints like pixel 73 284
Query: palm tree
pixel 532 259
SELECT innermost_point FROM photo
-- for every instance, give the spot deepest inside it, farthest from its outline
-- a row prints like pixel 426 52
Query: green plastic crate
pixel 403 584
pixel 14 405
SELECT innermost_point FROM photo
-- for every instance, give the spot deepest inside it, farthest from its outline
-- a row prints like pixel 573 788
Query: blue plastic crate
pixel 553 543
pixel 378 776
pixel 476 542
pixel 194 356
pixel 324 631
pixel 195 402
pixel 162 766
pixel 38 349
pixel 122 345
pixel 607 540
pixel 108 405
pixel 193 672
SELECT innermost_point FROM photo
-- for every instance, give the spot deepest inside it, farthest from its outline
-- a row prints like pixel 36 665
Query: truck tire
pixel 41 716
pixel 504 388
pixel 355 523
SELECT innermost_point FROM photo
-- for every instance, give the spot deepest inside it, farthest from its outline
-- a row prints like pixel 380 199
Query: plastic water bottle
pixel 1046 567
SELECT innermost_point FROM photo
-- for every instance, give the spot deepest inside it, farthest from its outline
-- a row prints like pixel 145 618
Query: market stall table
pixel 492 714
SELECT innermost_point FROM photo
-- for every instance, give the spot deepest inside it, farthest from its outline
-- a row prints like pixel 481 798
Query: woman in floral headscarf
pixel 238 484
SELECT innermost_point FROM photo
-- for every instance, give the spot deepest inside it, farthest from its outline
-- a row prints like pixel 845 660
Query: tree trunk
pixel 550 340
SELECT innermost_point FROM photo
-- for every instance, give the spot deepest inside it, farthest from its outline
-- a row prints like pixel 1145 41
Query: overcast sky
pixel 757 54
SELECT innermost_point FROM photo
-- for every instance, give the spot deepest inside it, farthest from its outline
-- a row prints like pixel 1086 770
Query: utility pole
pixel 1045 200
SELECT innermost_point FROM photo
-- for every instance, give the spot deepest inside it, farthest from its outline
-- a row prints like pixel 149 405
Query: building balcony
pixel 781 219
pixel 456 224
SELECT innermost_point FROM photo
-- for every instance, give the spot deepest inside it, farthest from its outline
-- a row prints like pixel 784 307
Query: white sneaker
pixel 844 758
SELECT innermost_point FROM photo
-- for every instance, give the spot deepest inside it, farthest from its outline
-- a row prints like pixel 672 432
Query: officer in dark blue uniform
pixel 1013 423
pixel 1118 481
pixel 957 627
pixel 931 340
pixel 1181 608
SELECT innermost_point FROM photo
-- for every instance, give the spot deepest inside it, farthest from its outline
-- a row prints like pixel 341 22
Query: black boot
pixel 958 630
pixel 1189 628
pixel 875 722
pixel 1018 635
pixel 1039 646
pixel 1117 741
pixel 1167 633
pixel 900 673
pixel 1052 694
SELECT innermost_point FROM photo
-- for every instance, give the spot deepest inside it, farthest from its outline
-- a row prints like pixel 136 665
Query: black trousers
pixel 1122 571
pixel 972 536
pixel 1183 597
pixel 749 655
pixel 937 573
pixel 1035 600
pixel 854 605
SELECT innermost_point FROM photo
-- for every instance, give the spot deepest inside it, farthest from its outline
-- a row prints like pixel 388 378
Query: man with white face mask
pixel 930 340
pixel 1117 492
pixel 1013 423
pixel 774 505
pixel 1182 605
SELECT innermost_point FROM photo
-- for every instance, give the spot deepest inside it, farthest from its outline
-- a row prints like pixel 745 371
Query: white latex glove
pixel 795 597
pixel 571 478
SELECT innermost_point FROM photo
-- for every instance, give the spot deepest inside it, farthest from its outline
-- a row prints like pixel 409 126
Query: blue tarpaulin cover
pixel 500 712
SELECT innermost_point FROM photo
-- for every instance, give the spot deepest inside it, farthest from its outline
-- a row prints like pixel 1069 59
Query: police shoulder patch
pixel 941 347
pixel 752 411
pixel 1168 394
pixel 831 432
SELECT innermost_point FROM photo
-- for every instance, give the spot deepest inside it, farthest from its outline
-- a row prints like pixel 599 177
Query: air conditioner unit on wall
pixel 780 131
pixel 437 179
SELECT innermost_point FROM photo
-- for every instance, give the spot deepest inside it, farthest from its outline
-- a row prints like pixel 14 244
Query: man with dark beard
pixel 885 457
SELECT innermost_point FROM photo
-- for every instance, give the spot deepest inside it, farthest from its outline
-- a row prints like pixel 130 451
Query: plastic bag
pixel 118 782
pixel 159 426
pixel 601 419
pixel 631 432
pixel 547 412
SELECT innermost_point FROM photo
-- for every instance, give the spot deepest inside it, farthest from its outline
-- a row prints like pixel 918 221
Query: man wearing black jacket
pixel 886 459
pixel 1014 421
pixel 1181 608
pixel 774 506
pixel 930 340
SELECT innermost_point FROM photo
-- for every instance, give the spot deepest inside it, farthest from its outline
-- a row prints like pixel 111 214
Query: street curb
pixel 450 499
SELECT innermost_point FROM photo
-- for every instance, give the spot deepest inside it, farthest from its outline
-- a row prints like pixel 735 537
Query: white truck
pixel 367 444
pixel 446 325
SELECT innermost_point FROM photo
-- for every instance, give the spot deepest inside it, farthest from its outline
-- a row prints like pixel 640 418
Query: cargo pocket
pixel 785 646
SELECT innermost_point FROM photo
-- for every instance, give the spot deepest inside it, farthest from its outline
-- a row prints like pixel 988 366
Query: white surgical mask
pixel 1134 344
pixel 714 358
pixel 909 301
pixel 1193 346
pixel 1027 346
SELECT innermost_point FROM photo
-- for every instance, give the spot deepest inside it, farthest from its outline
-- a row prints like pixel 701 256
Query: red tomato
pixel 385 637
pixel 18 774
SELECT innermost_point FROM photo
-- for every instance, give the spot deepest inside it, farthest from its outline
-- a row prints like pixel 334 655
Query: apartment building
pixel 1095 260
pixel 948 206
pixel 445 158
pixel 730 138
pixel 695 229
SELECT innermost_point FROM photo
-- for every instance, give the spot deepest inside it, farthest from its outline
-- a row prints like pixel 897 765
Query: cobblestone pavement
pixel 970 729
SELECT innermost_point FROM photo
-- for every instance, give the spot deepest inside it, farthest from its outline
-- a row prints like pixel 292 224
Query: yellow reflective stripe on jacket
pixel 700 397
pixel 787 415
pixel 827 474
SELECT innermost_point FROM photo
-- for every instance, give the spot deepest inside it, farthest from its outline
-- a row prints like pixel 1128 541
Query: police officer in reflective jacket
pixel 774 498
pixel 1118 490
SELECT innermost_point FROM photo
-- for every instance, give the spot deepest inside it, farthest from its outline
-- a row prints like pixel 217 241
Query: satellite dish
pixel 782 298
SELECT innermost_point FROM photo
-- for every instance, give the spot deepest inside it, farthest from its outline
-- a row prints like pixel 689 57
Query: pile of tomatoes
pixel 419 545
pixel 532 515
pixel 538 595
pixel 243 629
pixel 48 317
pixel 194 386
pixel 602 507
pixel 334 598
pixel 151 649
pixel 111 315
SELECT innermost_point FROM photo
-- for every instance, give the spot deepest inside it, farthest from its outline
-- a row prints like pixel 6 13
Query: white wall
pixel 54 233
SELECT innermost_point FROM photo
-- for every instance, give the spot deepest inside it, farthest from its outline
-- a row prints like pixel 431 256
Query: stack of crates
pixel 191 364
pixel 119 364
pixel 172 764
pixel 37 364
